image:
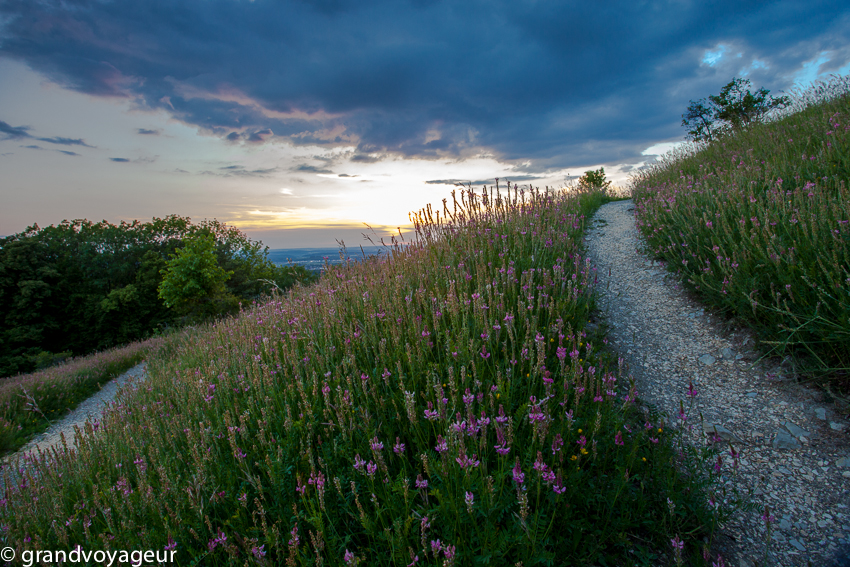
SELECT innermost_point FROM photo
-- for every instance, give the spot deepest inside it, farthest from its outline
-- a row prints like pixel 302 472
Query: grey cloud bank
pixel 543 85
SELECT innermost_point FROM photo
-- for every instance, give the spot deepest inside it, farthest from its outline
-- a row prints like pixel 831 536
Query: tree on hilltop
pixel 594 179
pixel 193 281
pixel 735 108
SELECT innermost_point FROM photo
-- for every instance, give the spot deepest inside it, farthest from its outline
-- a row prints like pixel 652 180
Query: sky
pixel 302 121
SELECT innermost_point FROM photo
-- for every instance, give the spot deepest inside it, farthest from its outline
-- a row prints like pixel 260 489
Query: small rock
pixel 712 429
pixel 727 353
pixel 820 413
pixel 785 440
pixel 834 425
pixel 843 462
pixel 707 359
pixel 795 430
pixel 797 544
pixel 752 394
pixel 785 524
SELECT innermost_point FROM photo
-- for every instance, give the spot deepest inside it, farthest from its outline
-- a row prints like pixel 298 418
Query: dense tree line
pixel 82 286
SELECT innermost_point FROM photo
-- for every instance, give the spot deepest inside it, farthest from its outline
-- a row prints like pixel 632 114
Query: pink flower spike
pixel 677 543
pixel 518 475
pixel 470 501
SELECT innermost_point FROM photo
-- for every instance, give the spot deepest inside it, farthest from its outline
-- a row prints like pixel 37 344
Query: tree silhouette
pixel 734 108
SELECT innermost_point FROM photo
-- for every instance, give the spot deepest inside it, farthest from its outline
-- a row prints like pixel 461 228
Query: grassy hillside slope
pixel 758 224
pixel 439 406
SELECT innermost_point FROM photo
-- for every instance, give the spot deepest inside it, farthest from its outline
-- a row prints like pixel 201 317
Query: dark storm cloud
pixel 22 132
pixel 65 141
pixel 13 132
pixel 477 182
pixel 556 83
pixel 146 132
pixel 239 171
pixel 363 158
pixel 311 169
pixel 66 152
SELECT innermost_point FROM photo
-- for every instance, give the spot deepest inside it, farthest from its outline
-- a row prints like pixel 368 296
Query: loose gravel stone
pixel 668 340
pixel 795 430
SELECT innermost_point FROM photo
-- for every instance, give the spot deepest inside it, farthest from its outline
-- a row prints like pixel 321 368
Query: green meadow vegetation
pixel 443 404
pixel 757 224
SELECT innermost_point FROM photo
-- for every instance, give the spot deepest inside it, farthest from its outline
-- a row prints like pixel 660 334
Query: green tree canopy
pixel 82 286
pixel 734 108
pixel 594 179
pixel 193 282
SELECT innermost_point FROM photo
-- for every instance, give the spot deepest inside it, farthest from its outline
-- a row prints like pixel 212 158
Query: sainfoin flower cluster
pixel 326 426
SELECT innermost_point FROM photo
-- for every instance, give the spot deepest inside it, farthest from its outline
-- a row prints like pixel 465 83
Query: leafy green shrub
pixel 193 282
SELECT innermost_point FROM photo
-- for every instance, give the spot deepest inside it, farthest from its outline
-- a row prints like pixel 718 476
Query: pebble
pixel 707 359
pixel 785 440
pixel 795 430
pixel 712 429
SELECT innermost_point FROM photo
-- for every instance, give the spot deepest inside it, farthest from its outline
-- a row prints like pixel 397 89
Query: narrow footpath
pixel 794 446
pixel 89 410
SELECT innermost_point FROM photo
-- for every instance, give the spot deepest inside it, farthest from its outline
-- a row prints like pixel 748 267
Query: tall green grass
pixel 440 405
pixel 758 224
pixel 29 402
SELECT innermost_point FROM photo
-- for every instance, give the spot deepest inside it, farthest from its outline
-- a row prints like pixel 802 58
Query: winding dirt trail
pixel 794 446
pixel 89 410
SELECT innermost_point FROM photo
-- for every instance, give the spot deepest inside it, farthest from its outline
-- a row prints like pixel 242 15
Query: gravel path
pixel 89 410
pixel 794 446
